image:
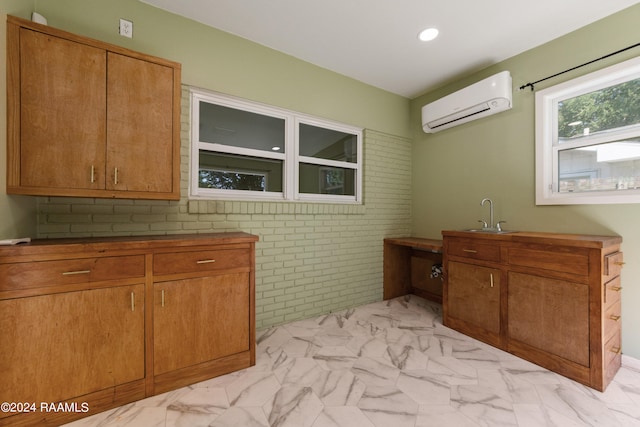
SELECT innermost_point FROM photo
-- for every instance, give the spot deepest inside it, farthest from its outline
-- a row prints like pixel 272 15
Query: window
pixel 247 151
pixel 588 138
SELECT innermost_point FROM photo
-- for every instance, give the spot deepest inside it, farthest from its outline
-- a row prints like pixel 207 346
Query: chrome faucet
pixel 490 210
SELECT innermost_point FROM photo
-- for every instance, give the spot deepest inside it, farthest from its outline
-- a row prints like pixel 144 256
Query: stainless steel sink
pixel 489 230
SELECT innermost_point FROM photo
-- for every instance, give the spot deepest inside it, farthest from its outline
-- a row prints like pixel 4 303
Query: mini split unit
pixel 489 96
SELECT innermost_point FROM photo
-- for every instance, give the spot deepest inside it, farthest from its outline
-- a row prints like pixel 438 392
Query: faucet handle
pixel 484 223
pixel 498 225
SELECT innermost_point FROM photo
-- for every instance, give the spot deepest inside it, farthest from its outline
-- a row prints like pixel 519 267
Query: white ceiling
pixel 375 41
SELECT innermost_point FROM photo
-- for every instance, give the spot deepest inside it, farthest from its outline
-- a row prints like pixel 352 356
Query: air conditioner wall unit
pixel 484 98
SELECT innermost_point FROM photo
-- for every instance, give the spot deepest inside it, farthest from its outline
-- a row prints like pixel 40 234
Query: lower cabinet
pixel 91 324
pixel 59 346
pixel 550 315
pixel 207 315
pixel 553 299
pixel 474 299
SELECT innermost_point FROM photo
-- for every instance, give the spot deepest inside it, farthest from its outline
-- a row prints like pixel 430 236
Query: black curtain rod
pixel 578 66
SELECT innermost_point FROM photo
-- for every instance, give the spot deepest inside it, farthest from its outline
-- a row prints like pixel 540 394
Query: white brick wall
pixel 311 258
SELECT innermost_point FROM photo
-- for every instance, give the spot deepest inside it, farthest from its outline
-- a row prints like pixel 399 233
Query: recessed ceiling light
pixel 428 34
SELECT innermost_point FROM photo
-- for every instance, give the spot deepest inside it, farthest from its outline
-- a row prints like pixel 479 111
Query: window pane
pixel 612 166
pixel 605 109
pixel 233 172
pixel 328 144
pixel 237 128
pixel 315 179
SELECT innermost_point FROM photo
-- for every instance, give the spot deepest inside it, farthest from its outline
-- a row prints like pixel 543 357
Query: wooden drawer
pixel 613 264
pixel 200 261
pixel 612 357
pixel 612 290
pixel 474 250
pixel 576 263
pixel 29 275
pixel 612 320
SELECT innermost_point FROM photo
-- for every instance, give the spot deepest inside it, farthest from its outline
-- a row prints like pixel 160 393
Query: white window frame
pixel 547 147
pixel 291 157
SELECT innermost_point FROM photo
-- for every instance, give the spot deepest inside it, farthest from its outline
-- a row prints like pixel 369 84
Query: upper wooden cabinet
pixel 89 119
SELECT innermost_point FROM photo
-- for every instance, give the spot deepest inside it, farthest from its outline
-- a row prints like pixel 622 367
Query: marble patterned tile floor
pixel 386 364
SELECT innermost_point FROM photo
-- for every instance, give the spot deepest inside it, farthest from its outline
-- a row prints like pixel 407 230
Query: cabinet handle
pixel 620 263
pixel 616 288
pixel 616 350
pixel 471 251
pixel 205 261
pixel 162 298
pixel 133 301
pixel 491 276
pixel 93 174
pixel 115 176
pixel 71 273
pixel 614 317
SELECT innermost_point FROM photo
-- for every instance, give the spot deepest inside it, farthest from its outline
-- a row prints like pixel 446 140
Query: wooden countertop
pixel 41 246
pixel 432 245
pixel 564 239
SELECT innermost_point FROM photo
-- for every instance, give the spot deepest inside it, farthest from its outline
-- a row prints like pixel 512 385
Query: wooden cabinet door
pixel 62 113
pixel 200 319
pixel 140 125
pixel 551 315
pixel 473 294
pixel 60 346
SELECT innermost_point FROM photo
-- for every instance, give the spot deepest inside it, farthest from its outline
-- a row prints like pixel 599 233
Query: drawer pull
pixel 616 350
pixel 614 317
pixel 491 276
pixel 162 298
pixel 205 261
pixel 133 301
pixel 71 273
pixel 93 174
pixel 471 251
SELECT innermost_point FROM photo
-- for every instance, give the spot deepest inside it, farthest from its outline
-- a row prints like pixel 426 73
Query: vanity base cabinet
pixel 559 304
pixel 97 323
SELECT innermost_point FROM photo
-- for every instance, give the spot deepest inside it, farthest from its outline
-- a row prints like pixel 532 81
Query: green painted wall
pixel 494 157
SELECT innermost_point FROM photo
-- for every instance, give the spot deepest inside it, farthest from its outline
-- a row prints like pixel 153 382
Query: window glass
pixel 316 179
pixel 328 144
pixel 598 111
pixel 238 128
pixel 603 167
pixel 235 172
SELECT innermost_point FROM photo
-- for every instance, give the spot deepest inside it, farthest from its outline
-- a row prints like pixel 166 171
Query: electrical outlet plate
pixel 126 28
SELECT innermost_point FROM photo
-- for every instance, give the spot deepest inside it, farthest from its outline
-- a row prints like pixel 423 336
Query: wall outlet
pixel 126 28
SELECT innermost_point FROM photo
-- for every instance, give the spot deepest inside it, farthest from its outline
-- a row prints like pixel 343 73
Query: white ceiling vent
pixel 484 98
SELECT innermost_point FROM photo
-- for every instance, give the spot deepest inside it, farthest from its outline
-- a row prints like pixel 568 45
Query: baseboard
pixel 631 363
